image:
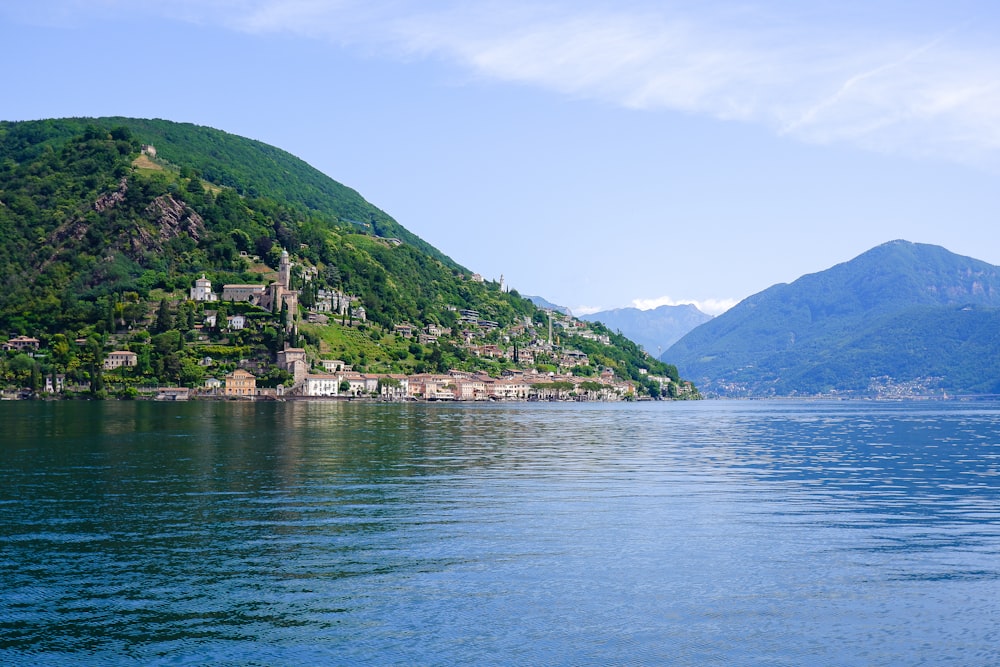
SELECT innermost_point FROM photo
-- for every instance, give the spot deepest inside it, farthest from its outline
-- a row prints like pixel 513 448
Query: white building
pixel 202 290
pixel 320 385
pixel 335 366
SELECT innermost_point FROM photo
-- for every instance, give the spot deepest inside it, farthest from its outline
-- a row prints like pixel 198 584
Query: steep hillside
pixel 250 168
pixel 902 315
pixel 656 329
pixel 105 224
pixel 80 222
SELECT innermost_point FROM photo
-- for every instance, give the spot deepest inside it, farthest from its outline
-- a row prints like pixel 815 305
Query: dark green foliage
pixel 249 168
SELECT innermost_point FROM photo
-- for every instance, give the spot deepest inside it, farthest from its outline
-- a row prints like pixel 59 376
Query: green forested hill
pixel 251 168
pixel 101 242
pixel 902 317
pixel 74 231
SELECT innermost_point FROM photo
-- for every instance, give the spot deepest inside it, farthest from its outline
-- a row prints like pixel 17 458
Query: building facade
pixel 202 290
pixel 120 359
pixel 241 383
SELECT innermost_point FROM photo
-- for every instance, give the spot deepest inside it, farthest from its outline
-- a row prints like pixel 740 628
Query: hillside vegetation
pixel 100 242
pixel 900 319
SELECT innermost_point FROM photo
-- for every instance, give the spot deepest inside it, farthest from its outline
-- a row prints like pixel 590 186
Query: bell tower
pixel 284 270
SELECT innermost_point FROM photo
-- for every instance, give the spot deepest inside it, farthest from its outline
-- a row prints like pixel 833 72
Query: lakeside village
pixel 537 369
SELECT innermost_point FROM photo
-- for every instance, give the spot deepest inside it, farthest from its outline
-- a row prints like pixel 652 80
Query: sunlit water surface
pixel 713 533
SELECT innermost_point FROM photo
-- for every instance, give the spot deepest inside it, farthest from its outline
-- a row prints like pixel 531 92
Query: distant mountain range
pixel 902 319
pixel 544 303
pixel 655 330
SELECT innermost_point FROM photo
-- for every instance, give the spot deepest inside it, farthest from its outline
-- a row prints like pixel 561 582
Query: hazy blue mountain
pixel 543 303
pixel 656 329
pixel 902 318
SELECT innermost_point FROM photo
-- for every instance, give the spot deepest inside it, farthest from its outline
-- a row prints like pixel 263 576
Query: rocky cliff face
pixel 174 218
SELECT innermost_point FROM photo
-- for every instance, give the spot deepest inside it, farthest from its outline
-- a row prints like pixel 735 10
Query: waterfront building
pixel 241 383
pixel 321 385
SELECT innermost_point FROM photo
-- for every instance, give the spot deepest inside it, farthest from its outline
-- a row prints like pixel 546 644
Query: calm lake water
pixel 712 533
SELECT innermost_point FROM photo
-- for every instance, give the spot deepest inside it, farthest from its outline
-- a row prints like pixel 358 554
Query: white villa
pixel 320 385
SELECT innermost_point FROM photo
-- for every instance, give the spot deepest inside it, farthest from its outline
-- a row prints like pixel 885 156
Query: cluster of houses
pixel 452 386
pixel 271 297
pixel 477 335
pixel 475 329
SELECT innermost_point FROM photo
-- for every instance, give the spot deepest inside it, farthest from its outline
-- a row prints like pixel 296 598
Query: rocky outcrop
pixel 109 200
pixel 174 218
pixel 166 218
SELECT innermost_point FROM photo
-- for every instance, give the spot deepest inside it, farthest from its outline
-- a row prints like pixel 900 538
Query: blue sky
pixel 599 154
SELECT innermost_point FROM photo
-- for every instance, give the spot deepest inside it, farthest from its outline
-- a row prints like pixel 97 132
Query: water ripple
pixel 776 533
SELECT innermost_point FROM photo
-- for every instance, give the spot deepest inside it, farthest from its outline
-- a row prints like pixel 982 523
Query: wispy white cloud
pixel 579 311
pixel 893 93
pixel 916 94
pixel 707 306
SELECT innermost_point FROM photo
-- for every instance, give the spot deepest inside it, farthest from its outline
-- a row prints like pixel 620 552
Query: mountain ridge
pixel 656 329
pixel 800 337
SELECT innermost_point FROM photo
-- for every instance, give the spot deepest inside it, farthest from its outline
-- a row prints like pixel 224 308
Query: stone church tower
pixel 279 295
pixel 285 270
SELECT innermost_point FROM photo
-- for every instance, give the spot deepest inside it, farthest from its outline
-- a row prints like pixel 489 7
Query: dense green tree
pixel 164 318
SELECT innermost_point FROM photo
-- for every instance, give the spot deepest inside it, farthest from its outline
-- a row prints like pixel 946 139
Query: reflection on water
pixel 777 533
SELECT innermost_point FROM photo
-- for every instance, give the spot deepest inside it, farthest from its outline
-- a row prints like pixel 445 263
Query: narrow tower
pixel 284 270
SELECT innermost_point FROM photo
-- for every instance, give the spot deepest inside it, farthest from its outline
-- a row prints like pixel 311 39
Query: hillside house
pixel 335 366
pixel 574 358
pixel 120 359
pixel 487 351
pixel 236 322
pixel 21 344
